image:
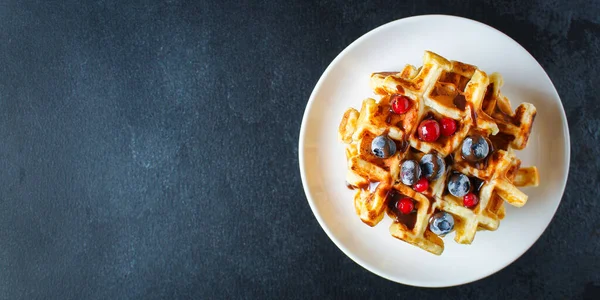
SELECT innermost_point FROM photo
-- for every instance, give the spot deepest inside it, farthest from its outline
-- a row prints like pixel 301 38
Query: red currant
pixel 429 130
pixel 400 104
pixel 421 185
pixel 406 205
pixel 470 200
pixel 448 126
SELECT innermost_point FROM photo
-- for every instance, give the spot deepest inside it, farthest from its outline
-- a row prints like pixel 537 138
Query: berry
pixel 441 223
pixel 383 146
pixel 421 185
pixel 470 200
pixel 410 172
pixel 406 205
pixel 400 104
pixel 448 126
pixel 429 130
pixel 432 166
pixel 475 148
pixel 459 184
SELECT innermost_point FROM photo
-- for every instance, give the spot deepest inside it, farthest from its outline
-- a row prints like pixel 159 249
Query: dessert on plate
pixel 436 152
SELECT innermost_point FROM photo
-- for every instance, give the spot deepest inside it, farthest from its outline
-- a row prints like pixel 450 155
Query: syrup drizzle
pixel 408 220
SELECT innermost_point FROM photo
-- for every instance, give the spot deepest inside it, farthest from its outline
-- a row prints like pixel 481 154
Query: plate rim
pixel 302 134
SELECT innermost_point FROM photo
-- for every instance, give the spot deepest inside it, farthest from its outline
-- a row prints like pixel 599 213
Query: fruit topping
pixel 400 104
pixel 441 223
pixel 448 126
pixel 383 146
pixel 432 166
pixel 410 172
pixel 470 200
pixel 475 148
pixel 421 185
pixel 429 130
pixel 406 205
pixel 459 185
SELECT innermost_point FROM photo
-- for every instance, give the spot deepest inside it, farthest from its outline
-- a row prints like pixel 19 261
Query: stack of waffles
pixel 440 89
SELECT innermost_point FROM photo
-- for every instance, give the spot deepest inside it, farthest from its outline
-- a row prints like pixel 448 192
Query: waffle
pixel 439 89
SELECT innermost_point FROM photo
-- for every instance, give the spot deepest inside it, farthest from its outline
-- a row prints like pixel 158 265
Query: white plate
pixel 345 84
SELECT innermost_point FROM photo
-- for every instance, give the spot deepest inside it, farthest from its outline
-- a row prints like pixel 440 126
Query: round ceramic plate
pixel 345 84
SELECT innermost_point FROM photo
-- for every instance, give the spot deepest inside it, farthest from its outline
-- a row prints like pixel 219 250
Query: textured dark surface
pixel 150 151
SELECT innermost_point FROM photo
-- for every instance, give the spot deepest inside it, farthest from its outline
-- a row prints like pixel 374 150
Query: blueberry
pixel 432 166
pixel 441 223
pixel 459 184
pixel 475 148
pixel 410 172
pixel 383 146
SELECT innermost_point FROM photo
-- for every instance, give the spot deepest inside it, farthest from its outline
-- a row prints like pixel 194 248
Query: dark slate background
pixel 150 150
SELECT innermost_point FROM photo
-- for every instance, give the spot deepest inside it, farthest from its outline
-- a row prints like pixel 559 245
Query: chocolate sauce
pixel 408 220
pixel 462 84
pixel 460 101
pixel 401 146
pixel 501 140
pixel 430 208
pixel 388 119
pixel 428 116
pixel 476 184
pixel 349 186
pixel 487 99
pixel 482 164
pixel 451 96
